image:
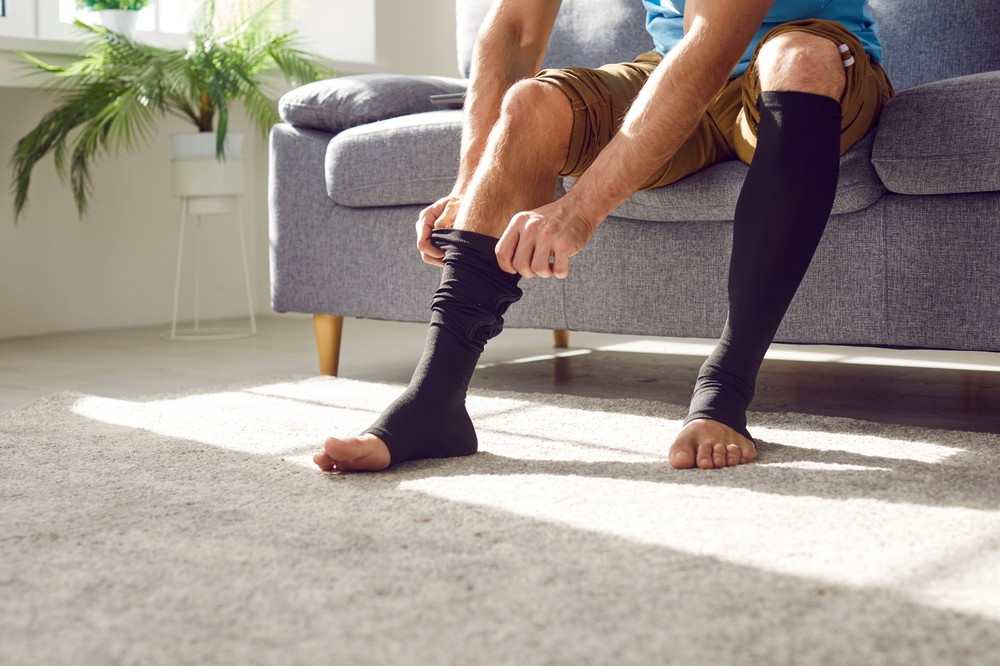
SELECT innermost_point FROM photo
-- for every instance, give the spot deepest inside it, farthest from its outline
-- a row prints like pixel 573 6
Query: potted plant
pixel 112 98
pixel 116 15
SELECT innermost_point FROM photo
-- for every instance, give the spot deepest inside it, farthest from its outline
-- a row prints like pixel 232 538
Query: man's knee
pixel 802 62
pixel 537 104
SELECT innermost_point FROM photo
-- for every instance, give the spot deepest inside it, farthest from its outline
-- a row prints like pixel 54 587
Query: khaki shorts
pixel 601 97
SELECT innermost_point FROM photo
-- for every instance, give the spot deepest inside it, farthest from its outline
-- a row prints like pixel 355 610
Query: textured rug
pixel 192 529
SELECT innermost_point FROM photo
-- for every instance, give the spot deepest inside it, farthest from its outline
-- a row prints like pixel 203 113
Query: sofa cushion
pixel 407 160
pixel 711 193
pixel 942 137
pixel 337 104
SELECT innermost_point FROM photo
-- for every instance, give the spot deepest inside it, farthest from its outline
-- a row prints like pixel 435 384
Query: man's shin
pixel 780 217
pixel 430 420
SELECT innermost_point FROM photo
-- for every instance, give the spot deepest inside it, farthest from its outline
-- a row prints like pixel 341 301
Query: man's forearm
pixel 662 117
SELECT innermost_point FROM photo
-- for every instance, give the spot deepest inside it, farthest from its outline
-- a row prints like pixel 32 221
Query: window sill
pixel 40 45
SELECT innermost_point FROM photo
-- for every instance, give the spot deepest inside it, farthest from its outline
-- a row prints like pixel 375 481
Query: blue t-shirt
pixel 665 22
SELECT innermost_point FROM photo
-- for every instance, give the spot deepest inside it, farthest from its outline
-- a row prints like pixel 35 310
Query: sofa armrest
pixel 941 137
pixel 336 104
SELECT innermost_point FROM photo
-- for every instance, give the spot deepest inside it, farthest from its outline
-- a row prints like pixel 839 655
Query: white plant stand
pixel 208 187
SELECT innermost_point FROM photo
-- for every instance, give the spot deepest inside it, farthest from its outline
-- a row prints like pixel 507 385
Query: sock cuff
pixel 799 102
pixel 482 245
pixel 475 292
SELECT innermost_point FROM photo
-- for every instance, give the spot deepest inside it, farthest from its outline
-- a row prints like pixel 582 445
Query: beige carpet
pixel 191 529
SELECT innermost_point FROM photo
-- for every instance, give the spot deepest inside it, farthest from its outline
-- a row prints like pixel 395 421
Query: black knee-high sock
pixel 430 420
pixel 780 216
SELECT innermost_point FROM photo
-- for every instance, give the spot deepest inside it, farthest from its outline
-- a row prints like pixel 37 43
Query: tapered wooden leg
pixel 561 338
pixel 328 330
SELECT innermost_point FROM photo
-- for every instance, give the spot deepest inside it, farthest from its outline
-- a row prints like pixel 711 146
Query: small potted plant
pixel 116 15
pixel 112 98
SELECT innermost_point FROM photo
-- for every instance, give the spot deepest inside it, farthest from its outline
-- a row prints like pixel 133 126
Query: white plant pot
pixel 202 144
pixel 121 21
pixel 211 186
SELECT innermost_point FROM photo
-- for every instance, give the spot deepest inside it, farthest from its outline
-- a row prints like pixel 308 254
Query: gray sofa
pixel 911 255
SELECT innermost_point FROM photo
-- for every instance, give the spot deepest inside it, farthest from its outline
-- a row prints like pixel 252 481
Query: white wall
pixel 416 36
pixel 337 29
pixel 116 267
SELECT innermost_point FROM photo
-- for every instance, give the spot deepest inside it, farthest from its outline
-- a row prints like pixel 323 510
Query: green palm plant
pixel 111 99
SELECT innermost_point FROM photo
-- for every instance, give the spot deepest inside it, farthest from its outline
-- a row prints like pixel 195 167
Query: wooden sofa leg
pixel 561 338
pixel 328 330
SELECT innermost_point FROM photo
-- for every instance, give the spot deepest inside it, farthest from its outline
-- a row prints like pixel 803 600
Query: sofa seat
pixel 413 160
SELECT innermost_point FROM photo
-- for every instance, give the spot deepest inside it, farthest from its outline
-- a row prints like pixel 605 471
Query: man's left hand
pixel 541 241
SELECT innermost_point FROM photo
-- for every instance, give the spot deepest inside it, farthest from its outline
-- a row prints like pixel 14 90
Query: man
pixel 784 85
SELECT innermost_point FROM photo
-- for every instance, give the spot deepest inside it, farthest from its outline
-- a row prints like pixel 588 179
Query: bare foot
pixel 710 444
pixel 365 453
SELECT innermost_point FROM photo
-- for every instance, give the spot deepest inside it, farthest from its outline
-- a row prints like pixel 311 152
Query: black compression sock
pixel 780 216
pixel 430 420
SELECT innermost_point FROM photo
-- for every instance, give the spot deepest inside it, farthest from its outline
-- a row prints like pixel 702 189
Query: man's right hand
pixel 439 215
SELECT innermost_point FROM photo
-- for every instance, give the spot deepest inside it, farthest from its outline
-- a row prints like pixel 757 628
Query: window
pixel 17 17
pixel 336 29
pixel 161 22
pixel 162 16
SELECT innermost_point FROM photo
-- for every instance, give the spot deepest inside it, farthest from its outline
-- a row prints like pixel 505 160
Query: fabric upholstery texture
pixel 929 40
pixel 406 160
pixel 645 278
pixel 587 33
pixel 943 270
pixel 942 137
pixel 336 104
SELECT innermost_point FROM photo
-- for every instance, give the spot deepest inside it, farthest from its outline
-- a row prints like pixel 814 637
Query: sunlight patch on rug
pixel 237 421
pixel 859 445
pixel 858 542
pixel 295 417
pixel 941 556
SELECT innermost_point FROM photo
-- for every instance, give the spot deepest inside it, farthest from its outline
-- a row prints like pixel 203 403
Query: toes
pixel 719 455
pixel 366 453
pixel 748 452
pixel 336 449
pixel 708 444
pixel 324 462
pixel 682 455
pixel 704 455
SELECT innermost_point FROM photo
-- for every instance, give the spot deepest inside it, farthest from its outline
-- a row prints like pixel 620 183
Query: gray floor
pixel 955 390
pixel 132 362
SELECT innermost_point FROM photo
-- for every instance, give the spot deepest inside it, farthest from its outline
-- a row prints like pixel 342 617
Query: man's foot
pixel 365 453
pixel 709 445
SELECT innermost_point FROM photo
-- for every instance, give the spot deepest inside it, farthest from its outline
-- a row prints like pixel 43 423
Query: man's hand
pixel 439 215
pixel 541 241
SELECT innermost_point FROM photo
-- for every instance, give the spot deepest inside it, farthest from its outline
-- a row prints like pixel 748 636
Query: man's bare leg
pixel 794 62
pixel 527 149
